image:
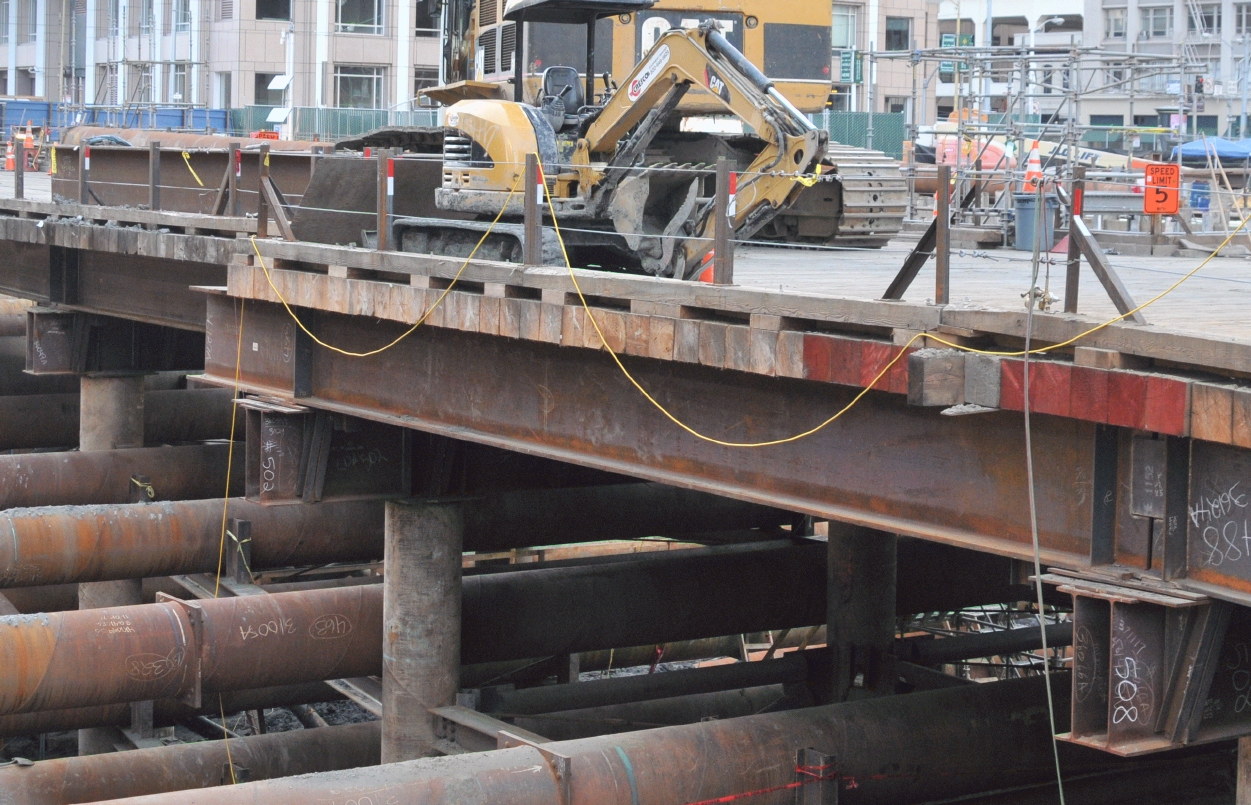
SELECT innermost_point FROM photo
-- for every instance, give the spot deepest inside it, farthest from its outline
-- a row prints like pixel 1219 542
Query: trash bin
pixel 1026 206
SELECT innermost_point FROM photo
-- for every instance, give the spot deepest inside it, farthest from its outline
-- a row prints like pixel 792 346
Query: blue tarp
pixel 1216 146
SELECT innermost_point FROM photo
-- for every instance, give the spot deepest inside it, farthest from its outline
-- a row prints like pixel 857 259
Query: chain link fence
pixel 852 128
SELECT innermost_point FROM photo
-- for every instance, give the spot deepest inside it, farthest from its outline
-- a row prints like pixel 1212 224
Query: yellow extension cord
pixel 665 411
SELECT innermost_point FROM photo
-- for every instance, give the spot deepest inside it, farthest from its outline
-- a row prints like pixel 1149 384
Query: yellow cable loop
pixel 186 157
pixel 221 708
pixel 854 400
pixel 420 321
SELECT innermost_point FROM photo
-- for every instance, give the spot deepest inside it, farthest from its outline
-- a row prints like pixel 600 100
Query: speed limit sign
pixel 1161 191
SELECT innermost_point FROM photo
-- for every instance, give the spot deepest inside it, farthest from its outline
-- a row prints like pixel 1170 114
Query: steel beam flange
pixel 561 765
pixel 816 778
pixel 195 614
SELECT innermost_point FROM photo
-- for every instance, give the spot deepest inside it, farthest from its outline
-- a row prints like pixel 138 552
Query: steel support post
pixel 723 227
pixel 110 417
pixel 532 217
pixel 1242 795
pixel 235 169
pixel 860 628
pixel 942 240
pixel 110 414
pixel 421 624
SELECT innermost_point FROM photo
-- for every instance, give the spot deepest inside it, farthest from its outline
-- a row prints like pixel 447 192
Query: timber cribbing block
pixel 936 377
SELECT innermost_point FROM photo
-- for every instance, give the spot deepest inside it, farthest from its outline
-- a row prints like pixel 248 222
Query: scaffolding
pixel 1005 99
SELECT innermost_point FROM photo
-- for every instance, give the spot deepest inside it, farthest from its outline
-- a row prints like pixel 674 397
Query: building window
pixel 1114 23
pixel 898 33
pixel 427 12
pixel 1114 78
pixel 424 77
pixel 896 104
pixel 224 99
pixel 359 16
pixel 1157 23
pixel 358 87
pixel 182 15
pixel 844 33
pixel 1204 18
pixel 273 9
pixel 226 10
pixel 4 25
pixel 27 15
pixel 178 83
pixel 264 95
pixel 147 17
pixel 1242 18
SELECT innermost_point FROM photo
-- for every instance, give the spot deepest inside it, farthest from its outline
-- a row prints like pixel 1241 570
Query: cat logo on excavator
pixel 716 84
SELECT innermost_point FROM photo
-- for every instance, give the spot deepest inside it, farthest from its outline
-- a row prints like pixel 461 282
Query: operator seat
pixel 562 96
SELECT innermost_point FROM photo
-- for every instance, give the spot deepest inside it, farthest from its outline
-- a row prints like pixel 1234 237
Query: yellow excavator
pixel 618 209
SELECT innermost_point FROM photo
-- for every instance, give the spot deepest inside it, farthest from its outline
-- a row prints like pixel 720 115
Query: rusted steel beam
pixel 615 511
pixel 105 656
pixel 167 712
pixel 50 547
pixel 205 764
pixel 72 478
pixel 56 545
pixel 575 405
pixel 180 415
pixel 875 747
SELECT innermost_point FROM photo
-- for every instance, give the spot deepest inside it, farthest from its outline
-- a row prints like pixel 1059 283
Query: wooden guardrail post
pixel 942 240
pixel 154 175
pixel 384 173
pixel 723 227
pixel 84 172
pixel 532 221
pixel 1073 272
pixel 262 211
pixel 19 168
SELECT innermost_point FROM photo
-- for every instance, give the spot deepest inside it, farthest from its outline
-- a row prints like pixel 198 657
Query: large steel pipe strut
pixel 72 478
pixel 177 415
pixel 166 712
pixel 892 749
pixel 154 651
pixel 205 764
pixel 100 543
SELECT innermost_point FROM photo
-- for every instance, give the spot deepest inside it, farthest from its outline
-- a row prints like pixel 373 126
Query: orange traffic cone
pixel 9 164
pixel 1033 170
pixel 29 143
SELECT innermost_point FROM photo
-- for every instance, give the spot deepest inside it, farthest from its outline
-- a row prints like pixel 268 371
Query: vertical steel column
pixel 111 417
pixel 723 227
pixel 942 240
pixel 19 168
pixel 532 220
pixel 154 175
pixel 1073 273
pixel 861 610
pixel 420 623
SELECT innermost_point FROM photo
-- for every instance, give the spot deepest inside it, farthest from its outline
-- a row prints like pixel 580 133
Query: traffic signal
pixel 1198 85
